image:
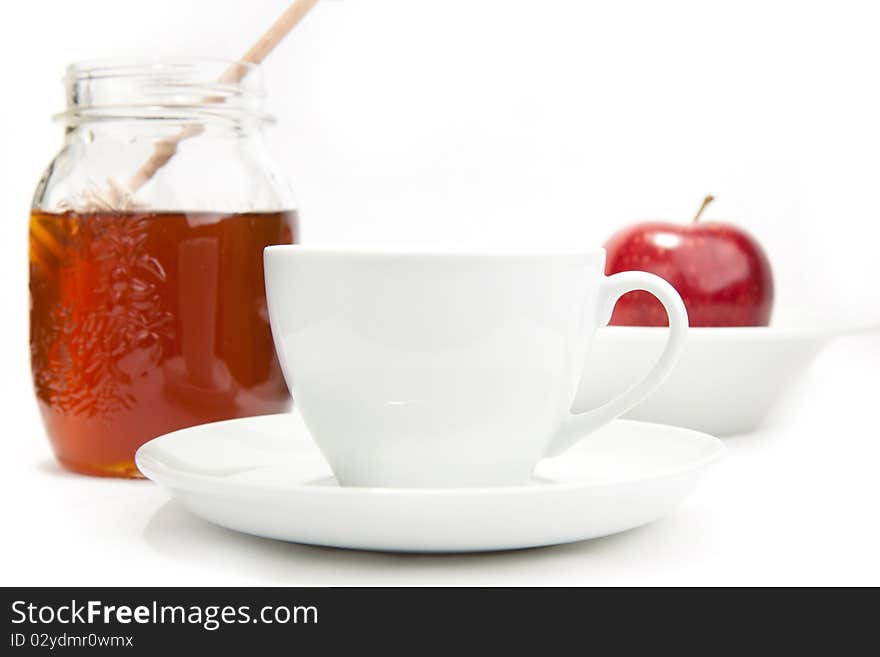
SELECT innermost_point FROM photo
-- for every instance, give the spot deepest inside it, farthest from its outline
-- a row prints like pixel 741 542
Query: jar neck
pixel 90 130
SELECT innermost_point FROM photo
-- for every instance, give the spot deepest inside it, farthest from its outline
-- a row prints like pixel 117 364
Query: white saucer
pixel 265 476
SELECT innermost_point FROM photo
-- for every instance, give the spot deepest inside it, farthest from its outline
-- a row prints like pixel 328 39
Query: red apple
pixel 720 271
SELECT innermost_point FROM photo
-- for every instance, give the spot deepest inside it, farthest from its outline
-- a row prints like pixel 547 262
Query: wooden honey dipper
pixel 166 148
pixel 114 196
pixel 117 197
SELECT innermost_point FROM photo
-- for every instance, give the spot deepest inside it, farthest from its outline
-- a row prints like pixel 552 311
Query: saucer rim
pixel 725 333
pixel 211 484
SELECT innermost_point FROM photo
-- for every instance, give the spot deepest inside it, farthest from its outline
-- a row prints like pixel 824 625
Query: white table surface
pixel 795 503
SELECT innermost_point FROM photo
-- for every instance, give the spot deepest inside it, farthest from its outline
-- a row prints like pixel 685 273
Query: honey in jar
pixel 146 323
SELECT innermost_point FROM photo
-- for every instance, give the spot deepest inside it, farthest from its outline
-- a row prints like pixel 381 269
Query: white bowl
pixel 726 381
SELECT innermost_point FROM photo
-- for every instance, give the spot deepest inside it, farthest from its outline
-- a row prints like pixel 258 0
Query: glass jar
pixel 148 308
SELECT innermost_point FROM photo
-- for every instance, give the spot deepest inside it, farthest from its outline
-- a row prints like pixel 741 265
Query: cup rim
pixel 415 252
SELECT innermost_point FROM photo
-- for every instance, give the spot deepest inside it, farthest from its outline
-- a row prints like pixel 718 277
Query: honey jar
pixel 148 308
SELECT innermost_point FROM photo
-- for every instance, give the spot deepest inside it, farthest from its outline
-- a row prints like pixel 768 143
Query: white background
pixel 481 121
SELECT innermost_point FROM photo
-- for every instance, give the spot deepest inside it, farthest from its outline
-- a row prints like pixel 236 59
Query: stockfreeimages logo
pixel 210 617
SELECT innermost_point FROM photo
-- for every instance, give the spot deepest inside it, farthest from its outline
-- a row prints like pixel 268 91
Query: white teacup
pixel 433 369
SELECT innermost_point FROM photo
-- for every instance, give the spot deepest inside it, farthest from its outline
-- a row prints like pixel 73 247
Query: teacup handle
pixel 579 425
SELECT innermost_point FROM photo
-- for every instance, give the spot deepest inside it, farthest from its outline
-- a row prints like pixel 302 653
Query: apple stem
pixel 706 201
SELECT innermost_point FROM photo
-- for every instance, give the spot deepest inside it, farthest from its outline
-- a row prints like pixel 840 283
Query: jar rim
pixel 163 88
